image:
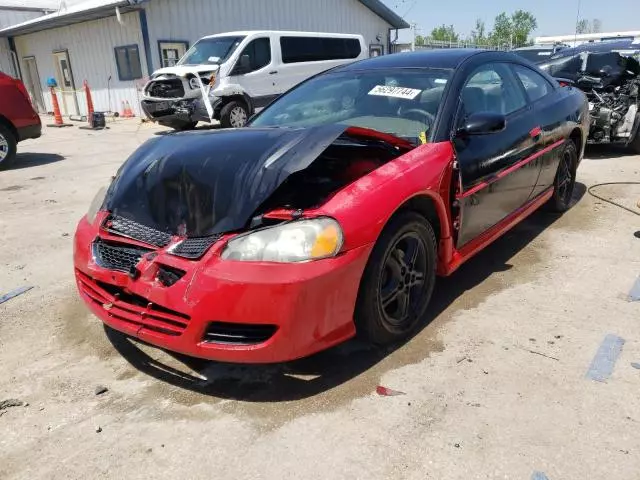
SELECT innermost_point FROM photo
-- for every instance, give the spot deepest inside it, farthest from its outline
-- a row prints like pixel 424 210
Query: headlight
pixel 297 241
pixel 96 204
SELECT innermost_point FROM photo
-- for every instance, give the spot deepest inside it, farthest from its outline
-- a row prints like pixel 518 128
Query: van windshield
pixel 211 51
pixel 401 102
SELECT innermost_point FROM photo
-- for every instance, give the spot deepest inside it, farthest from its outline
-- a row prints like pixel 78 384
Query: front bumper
pixel 183 110
pixel 310 305
pixel 30 131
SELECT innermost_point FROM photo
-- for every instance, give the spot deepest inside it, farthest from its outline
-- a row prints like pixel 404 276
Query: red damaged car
pixel 333 212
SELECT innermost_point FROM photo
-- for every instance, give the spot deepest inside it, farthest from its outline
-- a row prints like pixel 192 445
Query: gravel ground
pixel 494 386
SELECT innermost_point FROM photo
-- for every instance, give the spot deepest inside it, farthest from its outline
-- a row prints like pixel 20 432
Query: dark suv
pixel 18 120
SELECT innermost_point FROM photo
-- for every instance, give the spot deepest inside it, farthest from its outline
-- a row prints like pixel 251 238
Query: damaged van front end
pixel 215 244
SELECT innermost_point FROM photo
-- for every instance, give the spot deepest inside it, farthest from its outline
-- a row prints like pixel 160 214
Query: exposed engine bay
pixel 611 82
pixel 203 184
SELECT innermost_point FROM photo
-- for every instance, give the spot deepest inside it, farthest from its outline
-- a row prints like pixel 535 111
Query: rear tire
pixel 634 145
pixel 234 114
pixel 565 180
pixel 8 143
pixel 398 280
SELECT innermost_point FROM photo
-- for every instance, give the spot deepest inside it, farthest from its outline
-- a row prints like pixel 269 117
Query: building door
pixel 32 82
pixel 64 76
pixel 171 52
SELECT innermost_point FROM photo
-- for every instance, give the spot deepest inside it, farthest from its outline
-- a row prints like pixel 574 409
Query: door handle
pixel 273 72
pixel 536 132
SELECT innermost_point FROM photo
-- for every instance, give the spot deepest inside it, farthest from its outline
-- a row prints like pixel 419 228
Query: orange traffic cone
pixel 87 92
pixel 126 110
pixel 57 116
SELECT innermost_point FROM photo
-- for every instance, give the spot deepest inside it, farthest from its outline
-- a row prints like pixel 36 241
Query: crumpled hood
pixel 183 70
pixel 205 183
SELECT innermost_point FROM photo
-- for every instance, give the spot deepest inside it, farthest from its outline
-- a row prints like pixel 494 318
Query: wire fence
pixel 429 44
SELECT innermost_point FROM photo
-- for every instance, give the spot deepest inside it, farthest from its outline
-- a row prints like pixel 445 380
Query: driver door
pixel 496 177
pixel 260 77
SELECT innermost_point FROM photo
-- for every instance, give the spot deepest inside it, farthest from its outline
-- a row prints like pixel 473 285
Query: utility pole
pixel 413 37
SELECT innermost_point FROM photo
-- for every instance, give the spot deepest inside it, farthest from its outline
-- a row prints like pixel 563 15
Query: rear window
pixel 316 49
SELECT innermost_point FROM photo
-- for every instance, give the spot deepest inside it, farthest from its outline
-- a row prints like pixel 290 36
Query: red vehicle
pixel 18 120
pixel 333 212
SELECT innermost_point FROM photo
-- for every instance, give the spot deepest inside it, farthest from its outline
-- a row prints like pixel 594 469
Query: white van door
pixel 255 71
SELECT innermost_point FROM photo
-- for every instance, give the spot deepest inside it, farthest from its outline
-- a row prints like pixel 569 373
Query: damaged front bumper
pixel 182 110
pixel 243 312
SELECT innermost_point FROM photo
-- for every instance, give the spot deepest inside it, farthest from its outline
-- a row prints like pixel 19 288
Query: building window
pixel 316 49
pixel 171 52
pixel 128 62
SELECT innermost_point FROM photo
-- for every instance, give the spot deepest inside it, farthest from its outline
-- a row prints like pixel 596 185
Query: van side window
pixel 259 51
pixel 317 49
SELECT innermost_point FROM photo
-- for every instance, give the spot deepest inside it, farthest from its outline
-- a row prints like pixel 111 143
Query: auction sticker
pixel 396 92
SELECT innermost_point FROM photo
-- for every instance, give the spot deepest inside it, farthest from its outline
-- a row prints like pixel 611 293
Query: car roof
pixel 246 33
pixel 443 58
pixel 599 47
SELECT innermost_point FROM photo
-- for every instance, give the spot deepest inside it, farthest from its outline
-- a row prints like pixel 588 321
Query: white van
pixel 239 72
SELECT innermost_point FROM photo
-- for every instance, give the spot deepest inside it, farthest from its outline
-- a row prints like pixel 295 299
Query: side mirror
pixel 483 123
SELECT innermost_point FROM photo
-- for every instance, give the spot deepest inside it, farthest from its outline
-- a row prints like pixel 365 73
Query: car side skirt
pixel 479 243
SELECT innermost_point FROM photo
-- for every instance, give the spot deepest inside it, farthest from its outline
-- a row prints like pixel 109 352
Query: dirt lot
pixel 481 400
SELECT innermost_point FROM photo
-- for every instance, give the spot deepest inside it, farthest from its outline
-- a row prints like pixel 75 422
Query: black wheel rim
pixel 401 288
pixel 565 179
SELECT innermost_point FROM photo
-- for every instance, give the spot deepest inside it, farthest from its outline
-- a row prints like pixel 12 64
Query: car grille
pixel 194 248
pixel 238 333
pixel 117 256
pixel 132 309
pixel 171 88
pixel 128 228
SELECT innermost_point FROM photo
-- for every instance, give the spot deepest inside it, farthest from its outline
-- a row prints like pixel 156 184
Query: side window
pixel 535 84
pixel 259 52
pixel 317 49
pixel 128 62
pixel 492 88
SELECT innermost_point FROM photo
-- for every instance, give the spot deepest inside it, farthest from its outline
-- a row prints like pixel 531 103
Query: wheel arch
pixel 7 123
pixel 244 98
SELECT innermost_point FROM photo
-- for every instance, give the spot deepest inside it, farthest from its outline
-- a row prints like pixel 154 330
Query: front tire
pixel 565 180
pixel 634 145
pixel 234 115
pixel 398 280
pixel 8 144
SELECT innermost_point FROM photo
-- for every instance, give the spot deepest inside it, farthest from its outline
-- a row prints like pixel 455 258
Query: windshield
pixel 211 51
pixel 401 102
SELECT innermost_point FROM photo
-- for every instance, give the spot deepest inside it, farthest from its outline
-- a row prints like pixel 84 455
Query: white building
pixel 115 44
pixel 574 40
pixel 13 12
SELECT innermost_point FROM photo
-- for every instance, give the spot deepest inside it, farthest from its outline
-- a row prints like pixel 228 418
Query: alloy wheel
pixel 4 148
pixel 401 288
pixel 238 117
pixel 565 178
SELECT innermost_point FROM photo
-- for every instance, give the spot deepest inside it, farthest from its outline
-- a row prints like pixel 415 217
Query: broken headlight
pixel 297 241
pixel 96 204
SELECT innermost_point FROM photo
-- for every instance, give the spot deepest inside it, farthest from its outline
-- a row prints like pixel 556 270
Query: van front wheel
pixel 234 114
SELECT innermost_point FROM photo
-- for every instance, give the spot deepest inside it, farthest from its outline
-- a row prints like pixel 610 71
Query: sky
pixel 462 14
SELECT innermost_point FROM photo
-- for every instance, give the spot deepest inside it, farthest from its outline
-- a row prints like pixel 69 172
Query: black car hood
pixel 204 183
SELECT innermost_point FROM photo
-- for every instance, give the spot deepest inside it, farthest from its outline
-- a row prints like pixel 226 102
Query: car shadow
pixel 606 152
pixel 326 370
pixel 199 128
pixel 29 160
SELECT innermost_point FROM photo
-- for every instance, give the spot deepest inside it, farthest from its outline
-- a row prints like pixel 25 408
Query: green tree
pixel 596 25
pixel 445 34
pixel 523 23
pixel 583 26
pixel 419 40
pixel 502 30
pixel 479 33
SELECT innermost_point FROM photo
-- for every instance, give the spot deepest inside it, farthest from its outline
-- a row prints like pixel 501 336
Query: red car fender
pixel 365 206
